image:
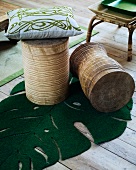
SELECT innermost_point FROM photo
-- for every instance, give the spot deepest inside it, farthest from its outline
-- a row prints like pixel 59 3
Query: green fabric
pixel 126 5
pixel 11 65
pixel 39 23
pixel 45 134
pixel 18 88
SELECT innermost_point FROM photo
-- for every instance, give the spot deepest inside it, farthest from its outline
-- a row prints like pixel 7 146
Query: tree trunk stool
pixel 103 80
pixel 104 14
pixel 46 70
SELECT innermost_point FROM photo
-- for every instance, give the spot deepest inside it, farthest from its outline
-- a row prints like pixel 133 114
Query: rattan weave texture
pixel 46 70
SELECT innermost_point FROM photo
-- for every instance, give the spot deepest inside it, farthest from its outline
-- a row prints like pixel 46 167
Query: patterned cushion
pixel 55 22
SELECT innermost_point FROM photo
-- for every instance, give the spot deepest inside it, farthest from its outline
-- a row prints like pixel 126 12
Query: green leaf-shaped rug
pixel 39 136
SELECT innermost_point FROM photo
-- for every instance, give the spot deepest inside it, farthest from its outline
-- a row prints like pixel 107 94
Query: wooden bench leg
pixel 90 28
pixel 129 54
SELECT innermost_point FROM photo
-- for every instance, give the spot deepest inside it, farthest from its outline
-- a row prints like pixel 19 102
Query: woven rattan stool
pixel 46 70
pixel 103 14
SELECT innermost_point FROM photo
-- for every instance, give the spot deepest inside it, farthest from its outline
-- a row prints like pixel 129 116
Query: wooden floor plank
pixel 114 33
pixel 78 6
pixel 2 96
pixel 122 50
pixel 5 7
pixel 122 149
pixel 99 158
pixel 129 136
pixel 131 72
pixel 77 163
pixel 129 65
pixel 132 124
pixel 133 111
pixel 134 97
pixel 57 166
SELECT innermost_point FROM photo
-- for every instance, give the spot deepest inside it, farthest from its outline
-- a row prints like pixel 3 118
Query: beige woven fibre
pixel 46 70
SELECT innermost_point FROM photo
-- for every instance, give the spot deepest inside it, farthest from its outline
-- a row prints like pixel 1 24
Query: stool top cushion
pixel 40 23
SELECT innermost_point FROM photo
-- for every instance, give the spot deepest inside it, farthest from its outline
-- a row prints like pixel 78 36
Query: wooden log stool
pixel 103 80
pixel 46 70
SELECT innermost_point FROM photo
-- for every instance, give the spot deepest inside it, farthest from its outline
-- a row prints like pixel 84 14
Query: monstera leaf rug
pixel 39 136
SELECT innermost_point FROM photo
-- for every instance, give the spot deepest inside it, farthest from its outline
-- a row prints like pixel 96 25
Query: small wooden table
pixel 104 14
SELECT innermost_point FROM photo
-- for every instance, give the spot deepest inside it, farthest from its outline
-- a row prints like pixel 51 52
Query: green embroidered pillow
pixel 55 22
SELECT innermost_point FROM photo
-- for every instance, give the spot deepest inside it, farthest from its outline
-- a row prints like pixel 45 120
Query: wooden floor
pixel 119 154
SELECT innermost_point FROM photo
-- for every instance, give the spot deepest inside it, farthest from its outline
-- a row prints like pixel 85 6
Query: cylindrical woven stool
pixel 46 70
pixel 103 80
